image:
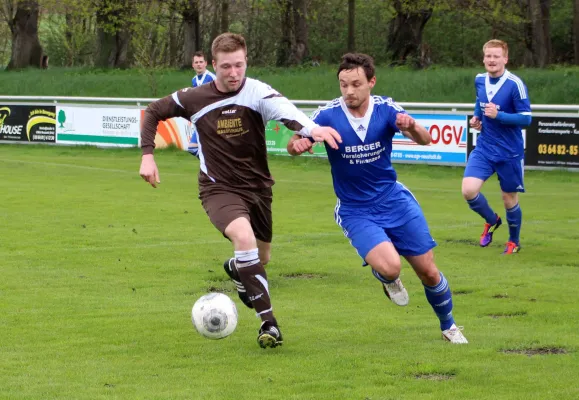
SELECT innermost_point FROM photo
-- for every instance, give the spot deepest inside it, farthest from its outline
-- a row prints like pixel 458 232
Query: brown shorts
pixel 224 204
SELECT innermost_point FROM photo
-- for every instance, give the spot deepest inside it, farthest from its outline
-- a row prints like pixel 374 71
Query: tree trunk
pixel 540 45
pixel 405 34
pixel 576 30
pixel 546 13
pixel 172 49
pixel 351 25
pixel 224 16
pixel 300 46
pixel 113 33
pixel 284 49
pixel 26 49
pixel 191 32
pixel 215 22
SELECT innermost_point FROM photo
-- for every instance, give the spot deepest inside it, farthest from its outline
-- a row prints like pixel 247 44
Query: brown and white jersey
pixel 230 127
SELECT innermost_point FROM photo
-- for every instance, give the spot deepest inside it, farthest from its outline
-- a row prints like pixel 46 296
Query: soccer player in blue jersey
pixel 502 108
pixel 203 76
pixel 378 214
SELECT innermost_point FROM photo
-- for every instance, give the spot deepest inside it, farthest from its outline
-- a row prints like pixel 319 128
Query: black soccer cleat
pixel 231 271
pixel 269 335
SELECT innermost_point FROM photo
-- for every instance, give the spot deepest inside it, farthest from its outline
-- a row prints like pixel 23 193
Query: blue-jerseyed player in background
pixel 378 214
pixel 502 108
pixel 202 77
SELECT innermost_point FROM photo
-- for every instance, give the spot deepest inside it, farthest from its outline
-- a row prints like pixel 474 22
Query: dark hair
pixel 228 43
pixel 199 54
pixel 358 60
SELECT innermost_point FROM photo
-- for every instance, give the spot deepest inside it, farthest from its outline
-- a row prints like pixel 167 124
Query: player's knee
pixel 430 276
pixel 510 200
pixel 468 192
pixel 243 239
pixel 389 269
pixel 264 257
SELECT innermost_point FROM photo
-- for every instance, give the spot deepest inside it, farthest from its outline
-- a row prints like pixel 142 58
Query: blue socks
pixel 481 206
pixel 440 298
pixel 514 218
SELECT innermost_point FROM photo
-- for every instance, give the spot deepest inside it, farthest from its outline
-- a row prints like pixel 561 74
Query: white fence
pixel 551 141
pixel 454 107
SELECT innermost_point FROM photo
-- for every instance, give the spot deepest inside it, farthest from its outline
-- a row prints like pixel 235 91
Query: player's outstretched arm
pixel 298 145
pixel 413 129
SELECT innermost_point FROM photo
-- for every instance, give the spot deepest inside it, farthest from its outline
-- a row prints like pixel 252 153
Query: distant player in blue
pixel 203 76
pixel 378 214
pixel 502 108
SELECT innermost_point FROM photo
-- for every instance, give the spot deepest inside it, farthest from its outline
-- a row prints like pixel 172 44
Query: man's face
pixel 199 65
pixel 355 87
pixel 495 61
pixel 230 69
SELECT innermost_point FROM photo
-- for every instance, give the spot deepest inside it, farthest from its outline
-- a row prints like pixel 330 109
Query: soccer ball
pixel 214 316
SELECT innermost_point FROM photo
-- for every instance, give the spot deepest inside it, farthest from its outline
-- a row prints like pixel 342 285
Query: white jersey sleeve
pixel 275 107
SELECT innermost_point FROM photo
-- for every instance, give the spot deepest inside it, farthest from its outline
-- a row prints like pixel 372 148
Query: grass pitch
pixel 99 273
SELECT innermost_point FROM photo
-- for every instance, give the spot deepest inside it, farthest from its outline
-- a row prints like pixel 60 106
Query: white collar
pixel 200 81
pixel 359 124
pixel 492 89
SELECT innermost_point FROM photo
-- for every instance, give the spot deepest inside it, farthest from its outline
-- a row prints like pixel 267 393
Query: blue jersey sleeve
pixel 477 110
pixel 521 99
pixel 394 109
pixel 521 104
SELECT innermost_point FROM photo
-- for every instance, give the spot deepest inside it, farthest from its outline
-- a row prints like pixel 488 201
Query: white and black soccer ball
pixel 214 316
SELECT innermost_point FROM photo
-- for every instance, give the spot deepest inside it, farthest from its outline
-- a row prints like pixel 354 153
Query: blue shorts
pixel 510 171
pixel 395 218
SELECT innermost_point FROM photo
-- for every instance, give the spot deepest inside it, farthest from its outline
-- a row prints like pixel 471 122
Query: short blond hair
pixel 228 43
pixel 495 43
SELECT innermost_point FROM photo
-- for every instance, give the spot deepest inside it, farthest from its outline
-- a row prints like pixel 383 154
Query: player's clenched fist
pixel 491 110
pixel 475 123
pixel 302 145
pixel 404 122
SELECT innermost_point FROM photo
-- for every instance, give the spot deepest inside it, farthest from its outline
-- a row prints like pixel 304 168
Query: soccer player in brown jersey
pixel 235 183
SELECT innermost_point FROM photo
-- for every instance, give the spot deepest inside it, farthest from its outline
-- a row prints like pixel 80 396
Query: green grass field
pixel 99 273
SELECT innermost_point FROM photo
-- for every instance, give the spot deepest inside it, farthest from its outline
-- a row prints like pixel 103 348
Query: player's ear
pixel 372 82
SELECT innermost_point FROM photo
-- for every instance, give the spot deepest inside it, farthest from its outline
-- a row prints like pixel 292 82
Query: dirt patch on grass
pixel 537 351
pixel 302 275
pixel 435 376
pixel 461 292
pixel 501 296
pixel 218 289
pixel 468 242
pixel 509 314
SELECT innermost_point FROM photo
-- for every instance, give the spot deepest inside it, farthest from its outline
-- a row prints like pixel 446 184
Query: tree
pixel 537 29
pixel 300 47
pixel 224 16
pixel 405 31
pixel 284 48
pixel 576 30
pixel 114 26
pixel 191 32
pixel 23 24
pixel 351 26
